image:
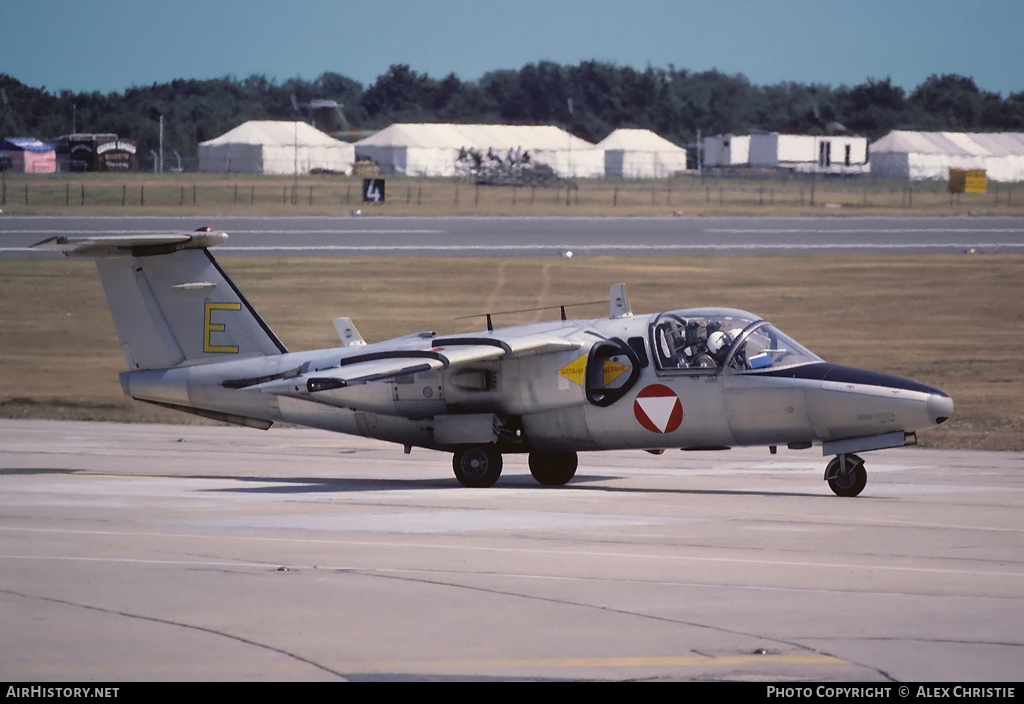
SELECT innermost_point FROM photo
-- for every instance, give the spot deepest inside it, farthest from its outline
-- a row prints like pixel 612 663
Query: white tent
pixel 916 156
pixel 632 153
pixel 433 149
pixel 270 147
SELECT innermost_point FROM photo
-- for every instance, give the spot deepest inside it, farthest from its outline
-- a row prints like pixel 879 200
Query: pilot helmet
pixel 716 341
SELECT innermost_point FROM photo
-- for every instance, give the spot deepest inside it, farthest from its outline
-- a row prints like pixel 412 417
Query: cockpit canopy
pixel 722 338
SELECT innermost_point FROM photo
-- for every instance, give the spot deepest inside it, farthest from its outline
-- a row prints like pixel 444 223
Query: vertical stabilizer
pixel 172 303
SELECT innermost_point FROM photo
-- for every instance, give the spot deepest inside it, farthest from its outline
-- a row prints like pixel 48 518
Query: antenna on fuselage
pixel 561 308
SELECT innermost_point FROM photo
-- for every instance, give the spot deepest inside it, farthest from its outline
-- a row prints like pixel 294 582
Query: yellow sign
pixel 612 371
pixel 967 181
pixel 211 327
pixel 575 370
pixel 975 181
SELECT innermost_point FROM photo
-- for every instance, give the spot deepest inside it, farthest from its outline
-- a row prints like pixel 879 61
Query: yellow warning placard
pixel 612 371
pixel 575 370
pixel 967 181
pixel 975 181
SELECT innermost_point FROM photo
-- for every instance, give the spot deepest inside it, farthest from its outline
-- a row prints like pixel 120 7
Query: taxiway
pixel 134 552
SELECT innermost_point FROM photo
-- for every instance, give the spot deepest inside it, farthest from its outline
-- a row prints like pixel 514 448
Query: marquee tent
pixel 28 154
pixel 632 153
pixel 433 149
pixel 917 156
pixel 270 147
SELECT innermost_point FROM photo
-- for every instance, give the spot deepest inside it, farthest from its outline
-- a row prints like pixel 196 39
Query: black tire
pixel 477 466
pixel 553 468
pixel 848 483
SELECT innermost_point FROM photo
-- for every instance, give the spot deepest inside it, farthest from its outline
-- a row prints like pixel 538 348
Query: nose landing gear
pixel 846 475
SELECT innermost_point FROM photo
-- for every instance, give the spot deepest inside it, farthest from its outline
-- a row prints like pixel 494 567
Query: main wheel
pixel 553 468
pixel 846 475
pixel 477 466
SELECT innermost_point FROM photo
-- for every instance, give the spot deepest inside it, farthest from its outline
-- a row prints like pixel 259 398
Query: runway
pixel 542 236
pixel 134 552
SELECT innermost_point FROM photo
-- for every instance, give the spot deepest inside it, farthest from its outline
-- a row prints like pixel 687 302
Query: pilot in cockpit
pixel 719 344
pixel 718 347
pixel 693 341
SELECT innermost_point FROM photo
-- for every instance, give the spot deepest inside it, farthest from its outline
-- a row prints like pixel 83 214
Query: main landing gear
pixel 846 475
pixel 479 466
pixel 553 468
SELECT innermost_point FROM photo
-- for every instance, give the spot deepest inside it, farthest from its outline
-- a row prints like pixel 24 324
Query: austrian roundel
pixel 658 409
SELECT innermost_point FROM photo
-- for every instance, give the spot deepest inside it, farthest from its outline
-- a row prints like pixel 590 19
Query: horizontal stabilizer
pixel 134 245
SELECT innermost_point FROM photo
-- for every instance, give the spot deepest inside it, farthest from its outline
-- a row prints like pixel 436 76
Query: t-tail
pixel 172 303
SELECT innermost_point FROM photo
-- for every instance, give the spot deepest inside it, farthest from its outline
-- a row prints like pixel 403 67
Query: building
pixel 726 150
pixel 826 154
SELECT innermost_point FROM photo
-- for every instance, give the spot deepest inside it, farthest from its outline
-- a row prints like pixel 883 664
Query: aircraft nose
pixel 940 408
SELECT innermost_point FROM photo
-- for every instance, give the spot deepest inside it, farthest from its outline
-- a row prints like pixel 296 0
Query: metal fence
pixel 241 194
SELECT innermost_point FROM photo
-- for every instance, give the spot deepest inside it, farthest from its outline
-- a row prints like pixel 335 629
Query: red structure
pixel 27 154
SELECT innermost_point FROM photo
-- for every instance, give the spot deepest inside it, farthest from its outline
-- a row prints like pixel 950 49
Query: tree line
pixel 589 99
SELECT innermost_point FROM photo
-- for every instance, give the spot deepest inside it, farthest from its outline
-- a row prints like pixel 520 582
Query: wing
pixel 444 353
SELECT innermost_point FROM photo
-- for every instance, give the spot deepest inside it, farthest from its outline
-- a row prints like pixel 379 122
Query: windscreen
pixel 715 339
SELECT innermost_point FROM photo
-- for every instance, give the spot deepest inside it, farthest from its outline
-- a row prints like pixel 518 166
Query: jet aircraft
pixel 692 379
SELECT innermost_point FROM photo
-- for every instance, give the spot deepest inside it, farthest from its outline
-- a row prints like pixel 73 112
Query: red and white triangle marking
pixel 658 409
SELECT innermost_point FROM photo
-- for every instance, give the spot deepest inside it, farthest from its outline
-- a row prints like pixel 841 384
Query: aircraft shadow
pixel 314 485
pixel 320 485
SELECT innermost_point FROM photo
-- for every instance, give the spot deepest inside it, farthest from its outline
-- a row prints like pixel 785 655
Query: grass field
pixel 953 321
pixel 240 194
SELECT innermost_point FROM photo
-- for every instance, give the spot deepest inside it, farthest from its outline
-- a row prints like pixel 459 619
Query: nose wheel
pixel 477 466
pixel 846 475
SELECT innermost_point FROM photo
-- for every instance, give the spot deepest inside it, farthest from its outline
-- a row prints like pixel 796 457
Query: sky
pixel 112 45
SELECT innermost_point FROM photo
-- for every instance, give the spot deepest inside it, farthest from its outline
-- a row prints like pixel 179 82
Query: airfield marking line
pixel 621 661
pixel 839 230
pixel 531 551
pixel 586 248
pixel 368 231
pixel 144 561
pixel 449 574
pixel 591 248
pixel 888 523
